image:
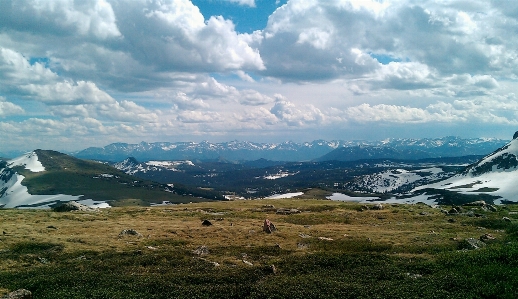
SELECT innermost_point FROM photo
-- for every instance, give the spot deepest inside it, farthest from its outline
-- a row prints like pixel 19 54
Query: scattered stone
pixel 377 206
pixel 364 208
pixel 470 214
pixel 414 276
pixel 72 206
pixel 51 227
pixel 506 219
pixel 151 248
pixel 472 244
pixel 307 226
pixel 206 223
pixel 304 236
pixel 478 203
pixel 43 260
pixel 268 227
pixel 423 213
pixel 492 208
pixel 129 232
pixel 287 211
pixel 451 220
pixel 247 263
pixel 302 245
pixel 202 250
pixel 272 269
pixel 18 294
pixel 455 211
pixel 487 238
pixel 215 264
pixel 325 239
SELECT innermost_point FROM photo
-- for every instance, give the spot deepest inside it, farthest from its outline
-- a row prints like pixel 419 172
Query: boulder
pixel 268 227
pixel 487 238
pixel 71 206
pixel 472 244
pixel 202 250
pixel 478 203
pixel 18 294
pixel 377 206
pixel 206 223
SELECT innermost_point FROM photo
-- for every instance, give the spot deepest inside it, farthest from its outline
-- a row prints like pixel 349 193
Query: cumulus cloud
pixel 7 108
pixel 93 18
pixel 292 115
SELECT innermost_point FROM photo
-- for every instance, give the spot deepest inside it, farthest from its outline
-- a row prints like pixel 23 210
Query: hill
pixel 494 177
pixel 42 178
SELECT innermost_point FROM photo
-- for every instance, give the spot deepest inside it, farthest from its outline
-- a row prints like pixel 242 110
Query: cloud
pixel 294 116
pixel 7 108
pixel 250 3
pixel 92 18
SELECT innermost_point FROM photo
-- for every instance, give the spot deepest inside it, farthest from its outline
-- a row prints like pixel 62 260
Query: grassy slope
pixel 68 175
pixel 403 251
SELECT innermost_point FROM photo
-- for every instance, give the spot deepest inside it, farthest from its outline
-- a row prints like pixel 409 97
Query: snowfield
pixel 29 161
pixel 496 175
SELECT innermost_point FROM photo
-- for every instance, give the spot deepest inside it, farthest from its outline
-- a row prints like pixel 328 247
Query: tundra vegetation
pixel 319 249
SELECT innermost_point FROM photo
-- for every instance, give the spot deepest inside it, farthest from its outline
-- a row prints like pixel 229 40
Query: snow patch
pixel 29 161
pixel 285 195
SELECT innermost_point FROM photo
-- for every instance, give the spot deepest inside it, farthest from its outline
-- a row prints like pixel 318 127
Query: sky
pixel 75 74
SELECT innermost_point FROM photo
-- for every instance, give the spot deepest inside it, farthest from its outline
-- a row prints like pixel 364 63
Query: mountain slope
pixel 45 177
pixel 494 175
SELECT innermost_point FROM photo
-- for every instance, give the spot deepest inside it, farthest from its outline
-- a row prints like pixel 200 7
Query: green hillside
pixel 324 250
pixel 68 175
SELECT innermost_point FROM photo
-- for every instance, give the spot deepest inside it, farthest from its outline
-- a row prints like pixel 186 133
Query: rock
pixel 491 208
pixel 304 236
pixel 455 211
pixel 325 239
pixel 472 244
pixel 287 211
pixel 206 223
pixel 478 203
pixel 130 232
pixel 423 213
pixel 506 219
pixel 18 294
pixel 202 250
pixel 451 220
pixel 51 227
pixel 272 269
pixel 72 206
pixel 268 227
pixel 377 207
pixel 247 263
pixel 487 238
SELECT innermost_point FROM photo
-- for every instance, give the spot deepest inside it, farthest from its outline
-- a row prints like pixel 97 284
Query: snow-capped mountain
pixel 292 151
pixel 132 166
pixel 13 193
pixel 495 175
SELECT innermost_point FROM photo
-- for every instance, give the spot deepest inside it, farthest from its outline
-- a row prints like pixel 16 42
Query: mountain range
pixel 43 178
pixel 319 150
